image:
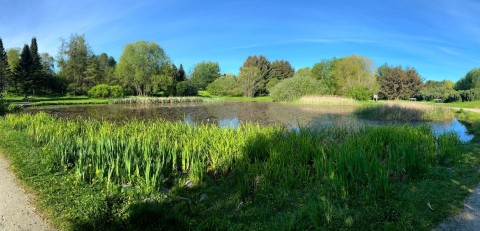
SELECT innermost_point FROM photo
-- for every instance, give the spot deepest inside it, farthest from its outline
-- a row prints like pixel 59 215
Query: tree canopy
pixel 139 64
pixel 205 73
pixel 398 82
pixel 470 81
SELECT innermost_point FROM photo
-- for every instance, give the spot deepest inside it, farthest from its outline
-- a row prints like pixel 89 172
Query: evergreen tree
pixel 38 76
pixel 24 71
pixel 180 74
pixel 281 70
pixel 4 71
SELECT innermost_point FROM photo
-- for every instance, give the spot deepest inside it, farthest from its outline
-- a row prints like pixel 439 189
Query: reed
pixel 328 100
pixel 405 112
pixel 149 154
pixel 159 100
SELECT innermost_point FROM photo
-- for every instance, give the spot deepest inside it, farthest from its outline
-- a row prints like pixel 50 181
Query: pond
pixel 226 114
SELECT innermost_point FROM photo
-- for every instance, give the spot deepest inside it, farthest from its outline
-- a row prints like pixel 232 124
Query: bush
pixel 99 91
pixel 293 88
pixel 106 91
pixel 117 91
pixel 186 88
pixel 225 86
pixel 453 97
pixel 272 83
pixel 359 93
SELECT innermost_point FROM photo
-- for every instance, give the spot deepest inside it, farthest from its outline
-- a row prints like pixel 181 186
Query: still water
pixel 231 114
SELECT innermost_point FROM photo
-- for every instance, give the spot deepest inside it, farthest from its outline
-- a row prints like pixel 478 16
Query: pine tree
pixel 24 71
pixel 3 66
pixel 38 76
pixel 180 74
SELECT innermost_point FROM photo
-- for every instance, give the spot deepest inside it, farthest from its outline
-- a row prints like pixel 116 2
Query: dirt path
pixel 16 213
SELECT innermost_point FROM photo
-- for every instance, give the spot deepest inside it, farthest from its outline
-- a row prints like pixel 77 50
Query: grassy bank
pixel 405 112
pixel 140 175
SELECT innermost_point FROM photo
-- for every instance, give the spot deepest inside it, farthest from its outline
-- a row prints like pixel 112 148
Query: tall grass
pixel 405 112
pixel 155 154
pixel 328 100
pixel 158 100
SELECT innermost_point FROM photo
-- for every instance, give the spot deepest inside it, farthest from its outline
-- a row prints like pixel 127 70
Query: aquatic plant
pixel 405 112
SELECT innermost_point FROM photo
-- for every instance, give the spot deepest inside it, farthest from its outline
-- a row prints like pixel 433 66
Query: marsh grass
pixel 159 100
pixel 301 179
pixel 405 112
pixel 328 100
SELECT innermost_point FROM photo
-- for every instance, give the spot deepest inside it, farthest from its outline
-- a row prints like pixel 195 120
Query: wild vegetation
pixel 405 112
pixel 151 174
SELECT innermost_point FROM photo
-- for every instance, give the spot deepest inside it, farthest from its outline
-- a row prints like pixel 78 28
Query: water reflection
pixel 231 114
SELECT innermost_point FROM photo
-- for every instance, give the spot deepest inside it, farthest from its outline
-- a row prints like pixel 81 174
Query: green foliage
pixel 73 60
pixel 180 74
pixel 323 72
pixel 114 176
pixel 398 82
pixel 99 91
pixel 293 88
pixel 3 105
pixel 186 88
pixel 471 80
pixel 141 62
pixel 117 91
pixel 281 69
pixel 304 72
pixel 272 83
pixel 24 71
pixel 4 69
pixel 464 95
pixel 225 86
pixel 205 73
pixel 436 90
pixel 251 81
pixel 106 91
pixel 351 76
pixel 264 68
pixel 405 112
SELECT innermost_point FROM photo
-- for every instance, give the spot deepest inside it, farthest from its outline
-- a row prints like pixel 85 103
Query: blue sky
pixel 440 38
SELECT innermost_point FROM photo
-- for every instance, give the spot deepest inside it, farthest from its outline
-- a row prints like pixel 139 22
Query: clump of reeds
pixel 149 155
pixel 158 100
pixel 405 112
pixel 327 100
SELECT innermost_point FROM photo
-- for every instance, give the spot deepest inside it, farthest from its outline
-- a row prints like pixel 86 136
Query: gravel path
pixel 16 213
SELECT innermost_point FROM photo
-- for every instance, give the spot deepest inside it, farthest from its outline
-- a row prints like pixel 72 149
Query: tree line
pixel 144 69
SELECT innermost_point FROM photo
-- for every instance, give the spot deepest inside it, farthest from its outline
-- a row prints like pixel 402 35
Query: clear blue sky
pixel 440 38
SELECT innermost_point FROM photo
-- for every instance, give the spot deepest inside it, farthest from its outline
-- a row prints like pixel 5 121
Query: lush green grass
pixel 403 111
pixel 256 178
pixel 467 104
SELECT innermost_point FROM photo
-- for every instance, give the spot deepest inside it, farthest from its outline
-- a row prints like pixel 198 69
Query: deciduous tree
pixel 251 81
pixel 470 81
pixel 139 64
pixel 205 73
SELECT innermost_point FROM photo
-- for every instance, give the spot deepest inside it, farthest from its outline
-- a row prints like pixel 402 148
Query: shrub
pixel 453 97
pixel 99 91
pixel 359 93
pixel 106 91
pixel 117 91
pixel 225 86
pixel 186 88
pixel 293 88
pixel 272 83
